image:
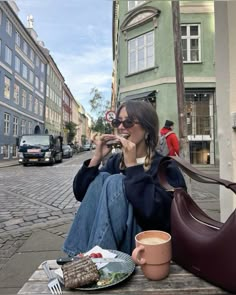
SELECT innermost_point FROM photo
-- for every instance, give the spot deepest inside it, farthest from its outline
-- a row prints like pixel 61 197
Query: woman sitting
pixel 123 197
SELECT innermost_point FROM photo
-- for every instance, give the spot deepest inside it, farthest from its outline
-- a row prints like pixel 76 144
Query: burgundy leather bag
pixel 200 244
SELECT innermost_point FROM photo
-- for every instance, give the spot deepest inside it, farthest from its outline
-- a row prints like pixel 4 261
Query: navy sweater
pixel 150 201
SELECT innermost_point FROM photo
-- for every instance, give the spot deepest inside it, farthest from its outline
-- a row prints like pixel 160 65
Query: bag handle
pixel 191 172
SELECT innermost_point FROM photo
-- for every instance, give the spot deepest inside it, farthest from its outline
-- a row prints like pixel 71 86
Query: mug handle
pixel 136 255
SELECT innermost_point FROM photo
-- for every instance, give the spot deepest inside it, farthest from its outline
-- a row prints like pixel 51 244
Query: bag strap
pixel 168 133
pixel 191 172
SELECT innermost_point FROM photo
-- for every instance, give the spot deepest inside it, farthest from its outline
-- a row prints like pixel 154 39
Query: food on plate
pixel 115 143
pixel 80 273
pixel 110 278
pixel 95 255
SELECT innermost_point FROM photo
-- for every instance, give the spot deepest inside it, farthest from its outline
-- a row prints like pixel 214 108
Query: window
pixel 29 127
pixel 15 126
pixel 191 43
pixel 30 102
pixel 9 27
pixel 7 85
pixel 42 67
pixel 37 61
pixel 17 39
pixel 6 153
pixel 23 127
pixel 132 4
pixel 24 94
pixel 37 82
pixel 24 71
pixel 6 124
pixel 16 93
pixel 36 106
pixel 141 53
pixel 41 86
pixel 31 54
pixel 17 64
pixel 8 55
pixel 14 151
pixel 0 47
pixel 25 47
pixel 31 77
pixel 40 109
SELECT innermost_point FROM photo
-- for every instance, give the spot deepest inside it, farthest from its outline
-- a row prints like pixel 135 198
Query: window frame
pixel 17 39
pixel 17 64
pixel 7 88
pixel 6 128
pixel 8 55
pixel 9 27
pixel 23 98
pixel 15 126
pixel 23 126
pixel 16 94
pixel 188 39
pixel 136 51
pixel 135 3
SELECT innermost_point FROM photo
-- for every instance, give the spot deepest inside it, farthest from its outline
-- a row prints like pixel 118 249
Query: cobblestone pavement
pixel 34 198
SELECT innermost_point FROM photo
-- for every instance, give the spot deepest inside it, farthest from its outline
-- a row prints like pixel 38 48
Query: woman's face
pixel 136 133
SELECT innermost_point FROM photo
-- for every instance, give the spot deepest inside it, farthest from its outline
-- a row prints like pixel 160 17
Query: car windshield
pixel 34 140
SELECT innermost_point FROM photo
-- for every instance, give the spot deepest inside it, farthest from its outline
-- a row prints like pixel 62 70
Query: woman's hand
pixel 102 149
pixel 129 151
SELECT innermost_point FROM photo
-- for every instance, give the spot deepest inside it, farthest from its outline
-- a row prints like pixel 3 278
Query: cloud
pixel 82 72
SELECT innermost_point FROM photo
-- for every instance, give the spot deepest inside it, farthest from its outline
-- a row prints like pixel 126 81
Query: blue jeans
pixel 104 218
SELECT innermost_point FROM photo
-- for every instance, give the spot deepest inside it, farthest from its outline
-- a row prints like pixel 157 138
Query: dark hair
pixel 146 115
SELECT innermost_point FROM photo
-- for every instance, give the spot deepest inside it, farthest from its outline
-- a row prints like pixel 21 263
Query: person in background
pixel 171 139
pixel 123 197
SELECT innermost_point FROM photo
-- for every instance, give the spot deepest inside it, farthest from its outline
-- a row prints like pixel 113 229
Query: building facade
pixel 54 99
pixel 34 98
pixel 144 65
pixel 22 82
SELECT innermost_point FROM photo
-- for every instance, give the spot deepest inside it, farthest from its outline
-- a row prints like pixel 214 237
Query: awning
pixel 143 95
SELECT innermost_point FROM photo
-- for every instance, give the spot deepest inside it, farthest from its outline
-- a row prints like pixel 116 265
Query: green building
pixel 144 66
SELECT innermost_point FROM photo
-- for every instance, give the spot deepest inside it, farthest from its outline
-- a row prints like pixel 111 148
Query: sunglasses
pixel 127 123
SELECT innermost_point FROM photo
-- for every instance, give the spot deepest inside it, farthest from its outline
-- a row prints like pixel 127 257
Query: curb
pixel 5 165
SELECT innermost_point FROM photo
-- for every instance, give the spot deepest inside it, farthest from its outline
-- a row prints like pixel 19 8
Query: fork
pixel 53 283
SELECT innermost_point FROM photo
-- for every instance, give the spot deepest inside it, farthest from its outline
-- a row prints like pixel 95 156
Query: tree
pixel 99 106
pixel 101 126
pixel 71 126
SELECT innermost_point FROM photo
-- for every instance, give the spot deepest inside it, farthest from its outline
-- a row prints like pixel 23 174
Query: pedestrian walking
pixel 171 139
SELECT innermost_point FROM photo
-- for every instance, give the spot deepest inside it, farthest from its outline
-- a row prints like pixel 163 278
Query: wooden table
pixel 178 282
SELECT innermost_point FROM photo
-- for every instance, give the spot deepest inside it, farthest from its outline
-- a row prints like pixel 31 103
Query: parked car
pixel 87 147
pixel 67 151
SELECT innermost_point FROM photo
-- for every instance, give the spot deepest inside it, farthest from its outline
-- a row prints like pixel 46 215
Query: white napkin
pixel 105 254
pixel 95 249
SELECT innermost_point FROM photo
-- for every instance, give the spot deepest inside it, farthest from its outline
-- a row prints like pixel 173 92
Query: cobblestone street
pixel 34 198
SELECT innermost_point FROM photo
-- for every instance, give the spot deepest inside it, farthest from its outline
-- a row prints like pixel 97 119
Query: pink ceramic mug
pixel 153 253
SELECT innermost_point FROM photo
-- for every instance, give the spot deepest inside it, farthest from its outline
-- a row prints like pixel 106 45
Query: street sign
pixel 110 115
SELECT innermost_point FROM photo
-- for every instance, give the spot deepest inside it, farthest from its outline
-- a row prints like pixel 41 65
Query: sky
pixel 78 34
